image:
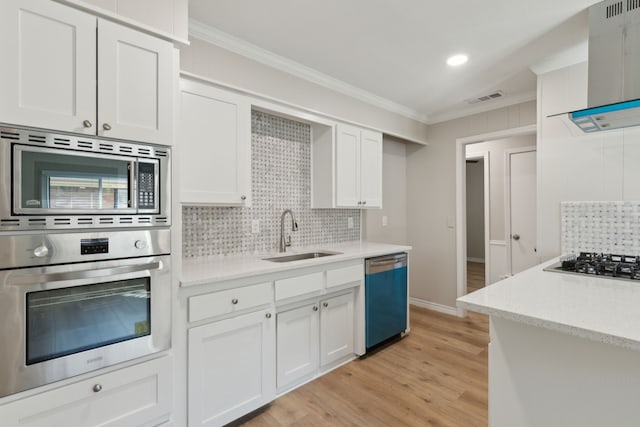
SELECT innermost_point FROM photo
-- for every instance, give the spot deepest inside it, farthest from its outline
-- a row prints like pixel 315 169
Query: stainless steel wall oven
pixel 63 181
pixel 71 303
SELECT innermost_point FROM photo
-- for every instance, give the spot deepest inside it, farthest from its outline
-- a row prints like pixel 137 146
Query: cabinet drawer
pixel 342 276
pixel 133 396
pixel 225 302
pixel 294 286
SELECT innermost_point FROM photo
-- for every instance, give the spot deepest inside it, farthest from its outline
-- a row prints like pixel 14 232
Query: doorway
pixel 477 213
pixel 496 242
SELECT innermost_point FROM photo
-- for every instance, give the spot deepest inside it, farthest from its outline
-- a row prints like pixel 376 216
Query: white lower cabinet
pixel 139 395
pixel 336 328
pixel 298 344
pixel 313 336
pixel 231 368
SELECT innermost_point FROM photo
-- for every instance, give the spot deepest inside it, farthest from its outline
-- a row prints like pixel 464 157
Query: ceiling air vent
pixel 494 95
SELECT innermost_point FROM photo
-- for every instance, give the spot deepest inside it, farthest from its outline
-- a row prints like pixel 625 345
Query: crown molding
pixel 234 44
pixel 483 108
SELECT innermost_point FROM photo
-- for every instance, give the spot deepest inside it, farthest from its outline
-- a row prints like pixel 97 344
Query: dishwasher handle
pixel 385 263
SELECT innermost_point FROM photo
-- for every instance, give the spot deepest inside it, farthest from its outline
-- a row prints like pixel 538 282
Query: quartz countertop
pixel 204 270
pixel 592 307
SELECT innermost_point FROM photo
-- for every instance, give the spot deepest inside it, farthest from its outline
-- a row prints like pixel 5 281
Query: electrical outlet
pixel 350 222
pixel 384 221
pixel 255 226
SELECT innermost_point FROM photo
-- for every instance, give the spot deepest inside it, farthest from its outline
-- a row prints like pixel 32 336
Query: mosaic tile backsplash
pixel 280 179
pixel 610 227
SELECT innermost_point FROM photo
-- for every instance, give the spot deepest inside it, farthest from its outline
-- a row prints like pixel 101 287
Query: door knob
pixel 516 237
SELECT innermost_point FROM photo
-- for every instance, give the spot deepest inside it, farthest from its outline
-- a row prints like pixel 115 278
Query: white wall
pixel 228 68
pixel 394 198
pixel 431 193
pixel 475 210
pixel 573 166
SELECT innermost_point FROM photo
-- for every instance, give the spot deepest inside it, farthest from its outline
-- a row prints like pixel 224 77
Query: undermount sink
pixel 298 257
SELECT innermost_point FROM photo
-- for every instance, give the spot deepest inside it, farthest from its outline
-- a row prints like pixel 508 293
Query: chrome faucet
pixel 294 227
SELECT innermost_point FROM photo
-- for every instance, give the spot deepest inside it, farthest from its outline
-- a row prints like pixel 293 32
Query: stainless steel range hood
pixel 614 67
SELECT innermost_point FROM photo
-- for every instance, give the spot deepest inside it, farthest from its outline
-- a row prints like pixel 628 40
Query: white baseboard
pixel 473 259
pixel 434 306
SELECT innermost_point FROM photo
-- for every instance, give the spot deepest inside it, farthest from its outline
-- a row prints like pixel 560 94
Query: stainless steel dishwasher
pixel 385 297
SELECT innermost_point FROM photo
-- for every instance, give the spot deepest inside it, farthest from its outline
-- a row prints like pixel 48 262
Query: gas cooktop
pixel 626 267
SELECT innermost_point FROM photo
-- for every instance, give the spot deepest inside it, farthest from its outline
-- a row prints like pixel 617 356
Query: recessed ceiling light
pixel 457 60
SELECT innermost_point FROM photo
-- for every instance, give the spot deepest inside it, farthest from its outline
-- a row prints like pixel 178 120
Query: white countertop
pixel 593 307
pixel 198 271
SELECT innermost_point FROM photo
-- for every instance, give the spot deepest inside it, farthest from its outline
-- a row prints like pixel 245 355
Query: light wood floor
pixel 475 276
pixel 435 376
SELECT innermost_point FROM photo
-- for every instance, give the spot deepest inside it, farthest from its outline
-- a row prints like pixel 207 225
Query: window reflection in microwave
pixel 69 320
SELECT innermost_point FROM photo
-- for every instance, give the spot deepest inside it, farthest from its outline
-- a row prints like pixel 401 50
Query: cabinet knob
pixel 268 315
pixel 97 388
pixel 364 202
pixel 325 304
pixel 243 197
pixel 41 251
pixel 516 237
pixel 315 308
pixel 87 123
pixel 106 126
pixel 359 203
pixel 234 301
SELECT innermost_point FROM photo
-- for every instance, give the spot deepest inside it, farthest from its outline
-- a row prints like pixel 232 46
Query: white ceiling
pixel 395 50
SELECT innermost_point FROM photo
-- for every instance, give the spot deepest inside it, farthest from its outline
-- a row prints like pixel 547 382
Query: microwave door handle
pixel 29 279
pixel 133 184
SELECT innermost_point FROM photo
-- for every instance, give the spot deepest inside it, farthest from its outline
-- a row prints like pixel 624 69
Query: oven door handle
pixel 82 274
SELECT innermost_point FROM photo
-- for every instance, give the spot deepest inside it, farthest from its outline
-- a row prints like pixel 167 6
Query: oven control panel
pixel 94 246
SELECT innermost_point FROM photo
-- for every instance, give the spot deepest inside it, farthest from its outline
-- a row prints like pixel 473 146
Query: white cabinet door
pixel 215 138
pixel 134 396
pixel 347 166
pixel 231 368
pixel 135 85
pixel 371 169
pixel 298 344
pixel 48 72
pixel 336 328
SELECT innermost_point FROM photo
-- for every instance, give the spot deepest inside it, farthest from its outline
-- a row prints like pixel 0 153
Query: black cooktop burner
pixel 600 264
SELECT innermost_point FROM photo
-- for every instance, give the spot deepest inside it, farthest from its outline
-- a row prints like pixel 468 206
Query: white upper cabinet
pixel 135 85
pixel 215 146
pixel 48 75
pixel 60 74
pixel 165 17
pixel 348 166
pixel 371 169
pixel 352 163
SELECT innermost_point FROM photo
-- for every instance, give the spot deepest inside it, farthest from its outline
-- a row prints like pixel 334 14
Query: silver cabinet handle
pixel 243 197
pixel 106 126
pixel 325 304
pixel 268 315
pixel 87 123
pixel 315 308
pixel 516 237
pixel 97 388
pixel 234 301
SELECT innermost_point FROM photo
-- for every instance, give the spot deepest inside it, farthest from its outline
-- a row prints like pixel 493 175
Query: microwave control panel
pixel 147 197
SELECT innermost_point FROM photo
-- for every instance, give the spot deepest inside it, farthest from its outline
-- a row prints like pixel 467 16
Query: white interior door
pixel 522 209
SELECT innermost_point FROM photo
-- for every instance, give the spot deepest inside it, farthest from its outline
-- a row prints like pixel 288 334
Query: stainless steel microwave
pixel 53 181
